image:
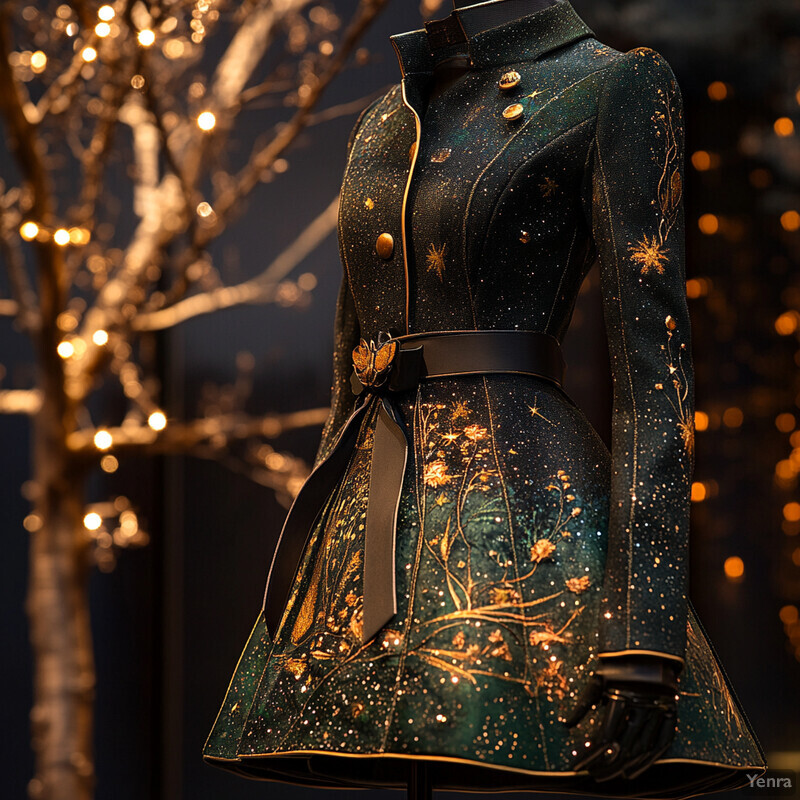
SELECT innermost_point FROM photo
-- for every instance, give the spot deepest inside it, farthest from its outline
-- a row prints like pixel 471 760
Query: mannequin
pixel 636 694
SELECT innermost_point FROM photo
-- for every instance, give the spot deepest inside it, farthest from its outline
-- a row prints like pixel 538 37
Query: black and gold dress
pixel 523 547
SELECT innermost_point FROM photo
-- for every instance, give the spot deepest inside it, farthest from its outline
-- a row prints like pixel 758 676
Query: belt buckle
pixel 382 366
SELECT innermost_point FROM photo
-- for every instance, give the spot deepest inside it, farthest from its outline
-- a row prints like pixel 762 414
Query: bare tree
pixel 158 86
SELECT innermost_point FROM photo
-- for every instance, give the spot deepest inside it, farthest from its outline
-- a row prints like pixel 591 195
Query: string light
pixel 102 440
pixel 102 29
pixel 206 121
pixel 100 337
pixel 92 521
pixel 65 349
pixel 28 231
pixel 146 37
pixel 88 54
pixel 157 421
pixel 106 13
pixel 61 237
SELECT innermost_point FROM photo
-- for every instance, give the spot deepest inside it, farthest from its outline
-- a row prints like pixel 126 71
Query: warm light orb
pixel 708 224
pixel 783 126
pixel 734 567
pixel 700 421
pixel 717 90
pixel 100 337
pixel 790 220
pixel 38 61
pixel 102 29
pixel 65 349
pixel 92 521
pixel 109 463
pixel 88 54
pixel 206 121
pixel 698 491
pixel 146 37
pixel 157 421
pixel 102 440
pixel 28 231
pixel 105 13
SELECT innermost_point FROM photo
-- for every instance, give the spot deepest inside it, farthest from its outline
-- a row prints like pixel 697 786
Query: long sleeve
pixel 346 335
pixel 633 199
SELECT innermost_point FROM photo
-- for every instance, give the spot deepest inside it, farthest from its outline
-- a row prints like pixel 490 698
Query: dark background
pixel 170 621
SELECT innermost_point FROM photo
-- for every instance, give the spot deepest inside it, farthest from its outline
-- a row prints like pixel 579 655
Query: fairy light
pixel 109 463
pixel 65 349
pixel 88 54
pixel 790 220
pixel 61 237
pixel 100 337
pixel 106 13
pixel 102 29
pixel 28 231
pixel 146 37
pixel 206 121
pixel 92 521
pixel 38 62
pixel 157 421
pixel 102 440
pixel 708 224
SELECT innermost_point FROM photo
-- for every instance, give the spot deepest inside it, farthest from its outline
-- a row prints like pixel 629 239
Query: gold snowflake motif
pixel 650 253
pixel 549 187
pixel 435 259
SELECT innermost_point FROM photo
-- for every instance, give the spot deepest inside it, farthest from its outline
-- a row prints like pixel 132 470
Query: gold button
pixel 510 79
pixel 514 111
pixel 411 151
pixel 384 247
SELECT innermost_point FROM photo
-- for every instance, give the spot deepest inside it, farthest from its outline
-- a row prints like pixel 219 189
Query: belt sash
pixel 381 370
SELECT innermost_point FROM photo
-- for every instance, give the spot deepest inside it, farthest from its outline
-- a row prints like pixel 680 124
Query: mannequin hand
pixel 637 702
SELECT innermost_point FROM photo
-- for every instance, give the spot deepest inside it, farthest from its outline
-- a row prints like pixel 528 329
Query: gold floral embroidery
pixel 680 384
pixel 578 585
pixel 650 251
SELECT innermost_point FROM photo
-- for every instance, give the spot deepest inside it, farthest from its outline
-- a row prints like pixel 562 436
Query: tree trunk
pixel 58 612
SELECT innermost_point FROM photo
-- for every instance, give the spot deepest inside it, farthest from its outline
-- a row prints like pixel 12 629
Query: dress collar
pixel 522 39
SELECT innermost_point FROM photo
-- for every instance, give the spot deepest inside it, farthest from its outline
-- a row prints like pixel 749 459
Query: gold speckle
pixel 441 155
pixel 369 203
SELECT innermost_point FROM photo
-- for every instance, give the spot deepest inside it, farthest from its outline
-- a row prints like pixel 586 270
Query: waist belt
pixel 381 370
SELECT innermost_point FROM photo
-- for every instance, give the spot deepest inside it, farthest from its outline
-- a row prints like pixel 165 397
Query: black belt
pixel 380 370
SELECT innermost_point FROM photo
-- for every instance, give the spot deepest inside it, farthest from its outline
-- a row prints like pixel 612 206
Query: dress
pixel 523 546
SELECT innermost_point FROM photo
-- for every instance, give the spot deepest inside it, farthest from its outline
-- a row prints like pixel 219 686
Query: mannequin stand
pixel 419 785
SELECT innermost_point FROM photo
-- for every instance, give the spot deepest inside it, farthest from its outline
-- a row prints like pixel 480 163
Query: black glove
pixel 637 702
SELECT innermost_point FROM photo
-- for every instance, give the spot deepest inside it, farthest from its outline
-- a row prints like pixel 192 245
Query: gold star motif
pixel 536 413
pixel 650 253
pixel 435 259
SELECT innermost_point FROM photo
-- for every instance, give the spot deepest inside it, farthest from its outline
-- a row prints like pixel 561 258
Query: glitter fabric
pixel 524 548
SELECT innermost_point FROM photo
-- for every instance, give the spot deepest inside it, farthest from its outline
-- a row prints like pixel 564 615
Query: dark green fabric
pixel 524 547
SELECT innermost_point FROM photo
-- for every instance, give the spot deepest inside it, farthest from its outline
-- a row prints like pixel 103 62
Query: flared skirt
pixel 499 557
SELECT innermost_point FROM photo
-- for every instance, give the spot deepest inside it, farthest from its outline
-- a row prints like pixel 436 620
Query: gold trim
pixel 641 652
pixel 455 760
pixel 418 134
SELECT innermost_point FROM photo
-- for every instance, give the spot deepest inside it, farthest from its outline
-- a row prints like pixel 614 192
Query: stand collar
pixel 522 39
